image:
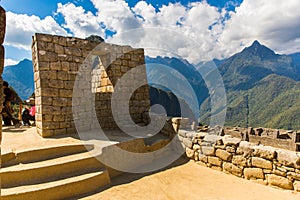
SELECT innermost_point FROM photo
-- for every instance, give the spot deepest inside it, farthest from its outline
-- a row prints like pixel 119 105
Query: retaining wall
pixel 264 164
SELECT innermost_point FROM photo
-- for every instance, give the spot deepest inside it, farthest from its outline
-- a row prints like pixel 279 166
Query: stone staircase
pixel 58 172
pixel 70 171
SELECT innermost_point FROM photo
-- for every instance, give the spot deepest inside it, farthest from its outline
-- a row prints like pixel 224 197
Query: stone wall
pixel 263 164
pixel 2 35
pixel 285 139
pixel 60 66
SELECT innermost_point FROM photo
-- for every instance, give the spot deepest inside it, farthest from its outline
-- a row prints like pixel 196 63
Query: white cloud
pixel 194 32
pixel 8 62
pixel 275 23
pixel 78 21
pixel 21 27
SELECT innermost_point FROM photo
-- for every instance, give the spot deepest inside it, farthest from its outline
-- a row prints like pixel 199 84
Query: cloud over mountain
pixel 195 31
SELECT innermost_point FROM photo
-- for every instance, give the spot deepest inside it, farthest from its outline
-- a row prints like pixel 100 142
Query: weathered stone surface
pixel 2 24
pixel 264 152
pixel 214 161
pixel 212 139
pixel 279 173
pixel 200 135
pixel 196 147
pixel 189 152
pixel 297 186
pixel 288 158
pixel 262 163
pixel 245 148
pixel 253 173
pixel 203 158
pixel 187 142
pixel 224 155
pixel 208 151
pixel 231 141
pixel 231 149
pixel 231 168
pixel 295 176
pixel 280 181
pixel 239 160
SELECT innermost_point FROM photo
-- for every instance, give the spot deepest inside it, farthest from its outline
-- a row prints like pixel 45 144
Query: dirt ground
pixel 190 181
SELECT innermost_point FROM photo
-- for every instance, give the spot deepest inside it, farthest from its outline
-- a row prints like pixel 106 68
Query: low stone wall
pixel 284 139
pixel 264 164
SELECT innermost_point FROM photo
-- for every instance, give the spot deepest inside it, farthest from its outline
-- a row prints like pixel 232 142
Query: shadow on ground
pixel 130 177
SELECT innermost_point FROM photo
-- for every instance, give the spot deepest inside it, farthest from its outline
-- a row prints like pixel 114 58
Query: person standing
pixel 28 114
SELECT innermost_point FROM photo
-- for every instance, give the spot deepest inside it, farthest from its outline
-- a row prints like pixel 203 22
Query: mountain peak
pixel 256 43
pixel 259 50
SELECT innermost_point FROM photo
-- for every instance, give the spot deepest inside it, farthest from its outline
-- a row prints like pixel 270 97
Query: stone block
pixel 60 131
pixel 231 149
pixel 196 147
pixel 62 75
pixel 288 158
pixel 261 163
pixel 264 152
pixel 208 151
pixel 279 173
pixel 294 175
pixel 55 65
pixel 214 161
pixel 47 56
pixel 43 66
pixel 224 155
pixel 59 84
pixel 187 142
pixel 65 93
pixel 231 168
pixel 245 148
pixel 253 173
pixel 212 138
pixel 231 141
pixel 280 181
pixel 59 49
pixel 203 158
pixel 296 186
pixel 50 92
pixel 2 25
pixel 189 152
pixel 239 160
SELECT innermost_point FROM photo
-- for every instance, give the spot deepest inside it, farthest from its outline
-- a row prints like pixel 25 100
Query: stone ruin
pixel 58 61
pixel 224 149
pixel 2 35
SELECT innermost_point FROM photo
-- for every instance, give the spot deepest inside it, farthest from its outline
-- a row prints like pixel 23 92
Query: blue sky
pixel 221 27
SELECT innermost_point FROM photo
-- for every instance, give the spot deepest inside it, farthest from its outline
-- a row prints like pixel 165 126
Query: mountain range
pixel 20 77
pixel 262 87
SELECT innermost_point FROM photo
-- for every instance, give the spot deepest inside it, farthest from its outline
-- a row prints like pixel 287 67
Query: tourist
pixel 28 114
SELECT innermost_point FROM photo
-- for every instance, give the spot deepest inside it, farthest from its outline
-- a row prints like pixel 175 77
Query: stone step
pixel 49 170
pixel 61 189
pixel 41 154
